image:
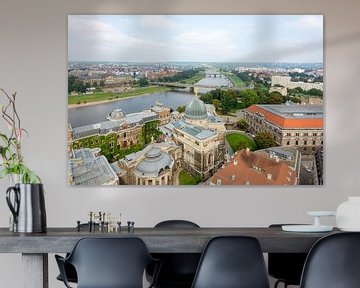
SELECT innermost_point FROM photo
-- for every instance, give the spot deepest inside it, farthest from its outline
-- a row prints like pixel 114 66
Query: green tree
pixel 242 145
pixel 242 124
pixel 181 109
pixel 216 104
pixel 275 98
pixel 143 82
pixel 228 101
pixel 314 92
pixel 264 140
pixel 249 97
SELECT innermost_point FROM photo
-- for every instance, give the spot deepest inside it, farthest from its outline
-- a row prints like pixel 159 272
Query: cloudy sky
pixel 157 38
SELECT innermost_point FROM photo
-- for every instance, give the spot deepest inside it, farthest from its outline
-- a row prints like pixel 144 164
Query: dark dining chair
pixel 178 269
pixel 333 262
pixel 70 271
pixel 108 263
pixel 286 267
pixel 232 262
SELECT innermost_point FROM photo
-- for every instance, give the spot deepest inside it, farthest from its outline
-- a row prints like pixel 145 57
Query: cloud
pixel 217 45
pixel 89 38
pixel 307 22
pixel 157 38
pixel 157 21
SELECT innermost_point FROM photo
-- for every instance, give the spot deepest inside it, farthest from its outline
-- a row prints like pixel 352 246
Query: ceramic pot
pixel 348 215
pixel 27 207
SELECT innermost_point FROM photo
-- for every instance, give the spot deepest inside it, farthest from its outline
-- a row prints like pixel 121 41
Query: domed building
pixel 195 112
pixel 154 165
pixel 116 115
pixel 155 168
pixel 198 114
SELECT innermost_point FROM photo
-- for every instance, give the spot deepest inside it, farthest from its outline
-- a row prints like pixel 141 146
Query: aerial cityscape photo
pixel 195 100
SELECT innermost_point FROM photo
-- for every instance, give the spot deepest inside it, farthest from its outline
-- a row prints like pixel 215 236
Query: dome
pixel 196 109
pixel 116 115
pixel 155 161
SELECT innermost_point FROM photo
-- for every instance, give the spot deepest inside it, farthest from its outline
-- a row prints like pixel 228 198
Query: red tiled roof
pixel 287 123
pixel 249 168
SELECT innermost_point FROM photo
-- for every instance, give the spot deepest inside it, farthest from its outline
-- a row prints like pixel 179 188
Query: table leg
pixel 35 270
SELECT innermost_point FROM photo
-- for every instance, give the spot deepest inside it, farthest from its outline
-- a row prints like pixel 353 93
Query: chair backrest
pixel 232 262
pixel 176 224
pixel 110 262
pixel 177 267
pixel 286 266
pixel 333 262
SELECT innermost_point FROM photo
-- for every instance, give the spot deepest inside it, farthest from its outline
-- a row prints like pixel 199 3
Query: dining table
pixel 35 247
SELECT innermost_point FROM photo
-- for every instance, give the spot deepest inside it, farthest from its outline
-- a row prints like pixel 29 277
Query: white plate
pixel 321 213
pixel 306 228
pixel 350 229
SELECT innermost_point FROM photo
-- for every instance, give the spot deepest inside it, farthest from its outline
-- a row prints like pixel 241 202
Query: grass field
pixel 238 83
pixel 138 91
pixel 186 178
pixel 194 79
pixel 235 138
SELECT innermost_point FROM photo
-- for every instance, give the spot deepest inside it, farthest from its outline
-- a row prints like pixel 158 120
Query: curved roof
pixel 155 161
pixel 116 115
pixel 196 109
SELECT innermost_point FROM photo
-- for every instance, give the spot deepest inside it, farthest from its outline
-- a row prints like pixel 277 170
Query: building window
pixel 297 134
pixel 288 143
pixel 314 142
pixel 296 142
pixel 305 142
pixel 288 134
pixel 306 134
pixel 314 134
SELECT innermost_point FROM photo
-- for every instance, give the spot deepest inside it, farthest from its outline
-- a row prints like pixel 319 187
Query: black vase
pixel 27 207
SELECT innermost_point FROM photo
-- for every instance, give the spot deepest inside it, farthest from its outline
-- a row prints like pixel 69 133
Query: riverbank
pixel 100 98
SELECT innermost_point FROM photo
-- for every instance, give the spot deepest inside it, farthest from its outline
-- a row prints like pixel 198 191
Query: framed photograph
pixel 195 100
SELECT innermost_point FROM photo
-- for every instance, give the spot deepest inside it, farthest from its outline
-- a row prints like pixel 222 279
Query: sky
pixel 196 38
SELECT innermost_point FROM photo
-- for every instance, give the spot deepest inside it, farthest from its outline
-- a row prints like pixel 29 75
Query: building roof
pixel 159 107
pixel 154 162
pixel 249 168
pixel 194 131
pixel 291 116
pixel 105 127
pixel 88 169
pixel 98 128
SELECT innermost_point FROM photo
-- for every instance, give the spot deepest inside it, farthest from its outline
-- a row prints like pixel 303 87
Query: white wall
pixel 33 62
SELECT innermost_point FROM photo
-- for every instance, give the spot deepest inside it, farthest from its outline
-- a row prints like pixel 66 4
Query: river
pixel 80 116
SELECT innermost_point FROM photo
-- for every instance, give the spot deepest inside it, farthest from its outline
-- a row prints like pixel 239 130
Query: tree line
pixel 80 86
pixel 228 100
pixel 183 75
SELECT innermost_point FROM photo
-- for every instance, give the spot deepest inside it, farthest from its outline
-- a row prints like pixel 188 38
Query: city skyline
pixel 205 38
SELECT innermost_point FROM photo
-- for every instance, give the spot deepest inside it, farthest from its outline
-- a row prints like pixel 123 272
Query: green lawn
pixel 186 178
pixel 137 91
pixel 194 79
pixel 238 83
pixel 235 138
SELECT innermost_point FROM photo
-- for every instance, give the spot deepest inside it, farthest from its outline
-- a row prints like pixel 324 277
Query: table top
pixel 158 240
